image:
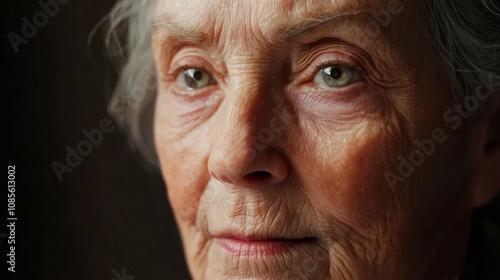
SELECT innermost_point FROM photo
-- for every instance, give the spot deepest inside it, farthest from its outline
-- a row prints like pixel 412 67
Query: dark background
pixel 109 213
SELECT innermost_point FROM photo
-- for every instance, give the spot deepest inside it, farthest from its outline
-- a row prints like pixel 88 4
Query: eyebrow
pixel 282 31
pixel 177 29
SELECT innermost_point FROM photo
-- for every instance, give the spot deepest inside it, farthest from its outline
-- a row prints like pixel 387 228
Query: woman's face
pixel 282 128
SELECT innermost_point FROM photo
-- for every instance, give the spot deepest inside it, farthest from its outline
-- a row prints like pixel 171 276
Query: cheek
pixel 184 188
pixel 346 180
pixel 183 163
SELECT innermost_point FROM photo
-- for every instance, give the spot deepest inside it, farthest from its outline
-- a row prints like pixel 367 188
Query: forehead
pixel 258 7
pixel 259 16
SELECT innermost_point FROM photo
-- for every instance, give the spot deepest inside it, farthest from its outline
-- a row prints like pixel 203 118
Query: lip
pixel 251 246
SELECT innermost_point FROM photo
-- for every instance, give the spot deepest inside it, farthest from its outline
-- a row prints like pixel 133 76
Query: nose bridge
pixel 250 94
pixel 246 108
pixel 245 142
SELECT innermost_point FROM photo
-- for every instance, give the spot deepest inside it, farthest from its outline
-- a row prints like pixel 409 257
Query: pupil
pixel 335 72
pixel 197 75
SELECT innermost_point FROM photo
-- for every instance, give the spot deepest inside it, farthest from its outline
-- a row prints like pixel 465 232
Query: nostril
pixel 258 176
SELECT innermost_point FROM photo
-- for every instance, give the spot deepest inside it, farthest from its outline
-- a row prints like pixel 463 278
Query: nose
pixel 247 150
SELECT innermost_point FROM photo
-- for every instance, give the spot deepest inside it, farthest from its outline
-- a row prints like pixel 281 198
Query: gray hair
pixel 132 103
pixel 465 34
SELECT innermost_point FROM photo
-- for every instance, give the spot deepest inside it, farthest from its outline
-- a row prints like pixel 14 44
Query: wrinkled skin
pixel 263 149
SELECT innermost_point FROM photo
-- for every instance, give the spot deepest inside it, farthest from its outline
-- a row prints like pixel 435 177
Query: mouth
pixel 251 246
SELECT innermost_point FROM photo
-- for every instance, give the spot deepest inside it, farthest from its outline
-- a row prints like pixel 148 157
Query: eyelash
pixel 323 64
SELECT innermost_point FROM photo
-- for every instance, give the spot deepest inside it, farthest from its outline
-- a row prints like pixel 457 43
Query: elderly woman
pixel 316 139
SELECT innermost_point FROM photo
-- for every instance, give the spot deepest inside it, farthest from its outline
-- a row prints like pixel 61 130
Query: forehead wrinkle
pixel 244 26
pixel 302 25
pixel 176 28
pixel 201 27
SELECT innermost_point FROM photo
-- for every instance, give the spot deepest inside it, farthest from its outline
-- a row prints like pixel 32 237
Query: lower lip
pixel 249 248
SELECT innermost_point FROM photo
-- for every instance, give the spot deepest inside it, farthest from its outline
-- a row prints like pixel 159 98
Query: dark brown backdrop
pixel 106 215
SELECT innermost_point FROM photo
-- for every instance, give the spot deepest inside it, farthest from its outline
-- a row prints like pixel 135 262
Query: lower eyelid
pixel 187 93
pixel 197 93
pixel 351 96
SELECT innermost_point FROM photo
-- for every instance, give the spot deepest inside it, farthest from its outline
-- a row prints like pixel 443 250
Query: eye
pixel 195 78
pixel 336 76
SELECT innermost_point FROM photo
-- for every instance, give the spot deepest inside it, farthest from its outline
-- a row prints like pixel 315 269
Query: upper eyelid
pixel 201 52
pixel 346 64
pixel 178 70
pixel 308 74
pixel 333 47
pixel 184 65
pixel 175 67
pixel 196 60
